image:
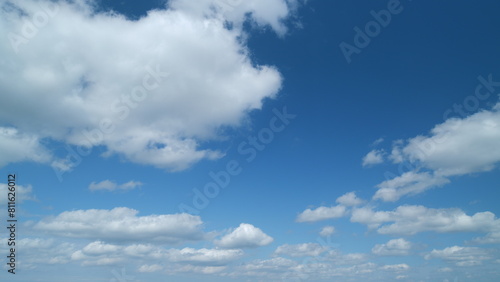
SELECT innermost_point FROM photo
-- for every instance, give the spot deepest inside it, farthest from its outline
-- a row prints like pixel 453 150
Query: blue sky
pixel 251 140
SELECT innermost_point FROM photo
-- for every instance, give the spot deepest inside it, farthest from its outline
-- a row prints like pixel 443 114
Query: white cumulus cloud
pixel 349 199
pixel 461 256
pixel 151 90
pixel 245 236
pixel 457 146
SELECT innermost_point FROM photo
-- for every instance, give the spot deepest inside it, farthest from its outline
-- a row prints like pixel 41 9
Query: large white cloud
pixel 123 224
pixel 411 219
pixel 457 146
pixel 151 90
pixel 245 236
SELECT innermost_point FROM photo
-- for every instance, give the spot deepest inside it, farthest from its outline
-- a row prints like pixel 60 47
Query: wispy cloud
pixel 108 185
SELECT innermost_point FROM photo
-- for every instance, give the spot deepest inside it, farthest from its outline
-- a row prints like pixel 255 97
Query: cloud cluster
pixel 150 90
pixel 101 253
pixel 345 202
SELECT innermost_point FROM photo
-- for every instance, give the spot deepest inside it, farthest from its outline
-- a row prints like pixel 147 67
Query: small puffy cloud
pixel 378 141
pixel 123 224
pixel 373 157
pixel 108 185
pixel 300 250
pixel 394 247
pixel 327 231
pixel 411 219
pixel 245 236
pixel 409 183
pixel 461 256
pixel 349 199
pixel 321 213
